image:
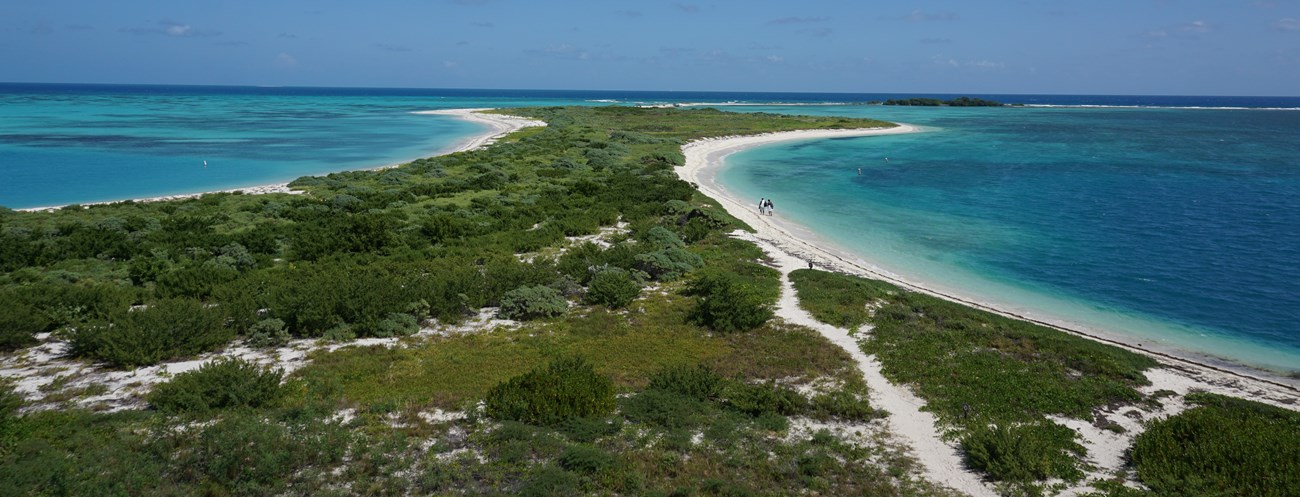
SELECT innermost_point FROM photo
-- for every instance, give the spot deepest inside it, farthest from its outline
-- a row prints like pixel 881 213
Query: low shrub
pixel 612 287
pixel 764 398
pixel 565 389
pixel 699 382
pixel 842 405
pixel 1224 446
pixel 529 302
pixel 662 408
pixel 725 304
pixel 268 333
pixel 164 330
pixel 1024 453
pixel 668 264
pixel 19 323
pixel 221 384
pixel 585 459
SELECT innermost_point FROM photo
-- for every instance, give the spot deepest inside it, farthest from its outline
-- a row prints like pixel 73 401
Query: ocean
pixel 1174 221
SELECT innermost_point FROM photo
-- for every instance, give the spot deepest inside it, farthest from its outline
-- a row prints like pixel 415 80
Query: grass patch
pixel 1223 446
pixel 992 380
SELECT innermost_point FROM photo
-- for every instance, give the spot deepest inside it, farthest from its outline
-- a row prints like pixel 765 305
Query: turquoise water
pixel 103 144
pixel 1178 227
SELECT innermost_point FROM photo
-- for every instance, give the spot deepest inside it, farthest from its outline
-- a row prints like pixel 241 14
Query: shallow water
pixel 1178 226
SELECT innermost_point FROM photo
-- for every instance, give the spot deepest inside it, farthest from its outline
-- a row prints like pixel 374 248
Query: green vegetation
pixel 566 389
pixel 726 303
pixel 221 384
pixel 934 102
pixel 1223 446
pixel 975 370
pixel 527 302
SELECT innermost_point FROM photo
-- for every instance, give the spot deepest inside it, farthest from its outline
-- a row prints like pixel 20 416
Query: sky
pixel 1143 47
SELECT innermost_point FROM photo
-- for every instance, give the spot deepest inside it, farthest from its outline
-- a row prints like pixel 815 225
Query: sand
pixel 793 247
pixel 498 126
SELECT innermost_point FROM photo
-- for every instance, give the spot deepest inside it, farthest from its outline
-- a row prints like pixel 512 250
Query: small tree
pixel 613 287
pixel 725 304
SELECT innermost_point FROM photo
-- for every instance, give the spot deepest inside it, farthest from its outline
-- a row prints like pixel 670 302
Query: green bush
pixel 725 304
pixel 19 323
pixel 668 264
pixel 244 454
pixel 662 238
pixel 612 287
pixel 699 382
pixel 1024 453
pixel 764 399
pixel 567 388
pixel 842 405
pixel 528 302
pixel 220 384
pixel 585 459
pixel 662 408
pixel 167 329
pixel 268 333
pixel 1224 446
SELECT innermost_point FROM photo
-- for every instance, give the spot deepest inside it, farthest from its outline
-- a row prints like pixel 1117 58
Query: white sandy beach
pixel 793 247
pixel 498 126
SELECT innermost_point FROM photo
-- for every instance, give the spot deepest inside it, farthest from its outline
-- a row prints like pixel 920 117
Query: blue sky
pixel 1221 47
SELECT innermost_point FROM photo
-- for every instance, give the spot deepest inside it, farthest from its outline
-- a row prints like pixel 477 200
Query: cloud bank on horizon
pixel 1198 47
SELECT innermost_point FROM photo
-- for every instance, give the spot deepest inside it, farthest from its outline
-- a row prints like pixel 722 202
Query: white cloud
pixel 286 60
pixel 1288 24
pixel 775 58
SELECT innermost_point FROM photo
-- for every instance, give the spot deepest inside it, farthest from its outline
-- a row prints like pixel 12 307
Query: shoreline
pixel 498 125
pixel 704 158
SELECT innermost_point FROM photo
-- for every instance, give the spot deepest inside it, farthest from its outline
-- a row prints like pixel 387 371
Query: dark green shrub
pixel 699 382
pixel 567 388
pixel 1224 446
pixel 528 302
pixel 764 398
pixel 612 287
pixel 662 238
pixel 167 329
pixel 220 384
pixel 244 454
pixel 668 264
pixel 396 324
pixel 268 333
pixel 550 481
pixel 842 405
pixel 1024 453
pixel 662 408
pixel 726 304
pixel 19 323
pixel 585 459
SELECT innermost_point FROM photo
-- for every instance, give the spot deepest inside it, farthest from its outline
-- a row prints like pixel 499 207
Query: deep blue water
pixel 1151 216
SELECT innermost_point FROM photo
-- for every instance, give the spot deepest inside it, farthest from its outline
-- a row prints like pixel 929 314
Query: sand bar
pixel 498 126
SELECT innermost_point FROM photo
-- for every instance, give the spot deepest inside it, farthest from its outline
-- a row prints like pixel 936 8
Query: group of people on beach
pixel 765 206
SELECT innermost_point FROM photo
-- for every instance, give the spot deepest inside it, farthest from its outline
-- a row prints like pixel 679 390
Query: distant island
pixel 934 102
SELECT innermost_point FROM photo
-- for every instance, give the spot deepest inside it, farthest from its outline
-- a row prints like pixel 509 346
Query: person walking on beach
pixel 762 204
pixel 769 206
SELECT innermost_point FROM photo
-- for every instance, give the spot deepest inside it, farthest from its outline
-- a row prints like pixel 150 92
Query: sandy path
pixel 941 463
pixel 498 126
